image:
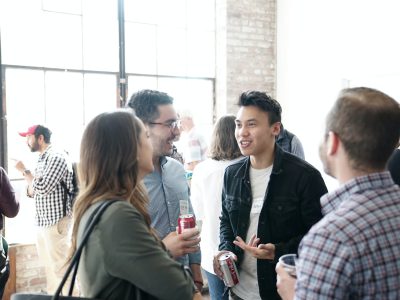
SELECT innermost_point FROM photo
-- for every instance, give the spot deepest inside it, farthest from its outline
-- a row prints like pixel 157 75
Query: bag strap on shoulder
pixel 93 220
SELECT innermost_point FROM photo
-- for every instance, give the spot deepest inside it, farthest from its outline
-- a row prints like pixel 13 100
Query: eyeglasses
pixel 171 125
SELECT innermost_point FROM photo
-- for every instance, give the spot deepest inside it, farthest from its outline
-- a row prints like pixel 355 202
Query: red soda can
pixel 185 222
pixel 228 268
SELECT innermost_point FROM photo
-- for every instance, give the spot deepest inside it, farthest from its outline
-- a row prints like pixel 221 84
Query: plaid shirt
pixel 354 251
pixel 52 168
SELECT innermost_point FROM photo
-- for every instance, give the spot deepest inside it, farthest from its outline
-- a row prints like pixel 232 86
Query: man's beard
pixel 34 147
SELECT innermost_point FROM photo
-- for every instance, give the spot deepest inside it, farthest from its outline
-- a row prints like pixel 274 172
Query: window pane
pixel 201 14
pixel 141 11
pixel 63 6
pixel 21 32
pixel 25 107
pixel 62 42
pixel 201 53
pixel 140 41
pixel 172 12
pixel 200 102
pixel 64 109
pixel 171 51
pixel 100 44
pixel 100 94
pixel 136 83
pixel 20 229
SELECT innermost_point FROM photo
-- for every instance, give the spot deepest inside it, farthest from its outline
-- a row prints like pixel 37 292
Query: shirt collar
pixel 44 154
pixel 331 201
pixel 163 161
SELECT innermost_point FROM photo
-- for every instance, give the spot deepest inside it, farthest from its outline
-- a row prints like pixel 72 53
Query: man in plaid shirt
pixel 353 252
pixel 53 175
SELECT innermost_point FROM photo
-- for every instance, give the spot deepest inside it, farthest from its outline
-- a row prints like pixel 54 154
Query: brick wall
pixel 246 50
pixel 30 273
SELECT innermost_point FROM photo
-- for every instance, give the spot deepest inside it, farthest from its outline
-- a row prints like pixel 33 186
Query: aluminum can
pixel 228 268
pixel 185 222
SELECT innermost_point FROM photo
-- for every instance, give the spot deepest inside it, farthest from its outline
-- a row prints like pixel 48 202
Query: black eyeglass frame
pixel 171 124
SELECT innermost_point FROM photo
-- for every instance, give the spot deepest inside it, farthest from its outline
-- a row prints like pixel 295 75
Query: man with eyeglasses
pixel 166 185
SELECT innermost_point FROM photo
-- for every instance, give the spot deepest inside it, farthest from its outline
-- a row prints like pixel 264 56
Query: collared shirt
pixel 353 252
pixel 165 190
pixel 52 168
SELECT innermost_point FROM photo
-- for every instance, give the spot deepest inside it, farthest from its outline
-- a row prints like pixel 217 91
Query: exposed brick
pixel 246 35
pixel 30 273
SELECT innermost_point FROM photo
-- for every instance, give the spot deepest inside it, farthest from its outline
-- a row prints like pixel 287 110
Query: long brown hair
pixel 223 142
pixel 108 167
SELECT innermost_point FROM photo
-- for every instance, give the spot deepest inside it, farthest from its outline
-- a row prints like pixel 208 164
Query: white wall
pixel 323 46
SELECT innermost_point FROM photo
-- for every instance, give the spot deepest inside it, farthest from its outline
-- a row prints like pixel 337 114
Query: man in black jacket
pixel 270 199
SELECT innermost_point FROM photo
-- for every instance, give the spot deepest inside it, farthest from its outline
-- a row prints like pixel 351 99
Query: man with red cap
pixel 50 185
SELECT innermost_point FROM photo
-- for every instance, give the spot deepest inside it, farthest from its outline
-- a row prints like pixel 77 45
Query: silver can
pixel 228 268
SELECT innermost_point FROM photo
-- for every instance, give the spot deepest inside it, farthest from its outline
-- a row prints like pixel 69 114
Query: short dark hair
pixel 146 103
pixel 42 130
pixel 367 122
pixel 223 142
pixel 263 102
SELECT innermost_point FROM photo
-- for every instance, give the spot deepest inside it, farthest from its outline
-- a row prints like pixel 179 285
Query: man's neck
pixel 345 172
pixel 157 163
pixel 262 161
pixel 43 148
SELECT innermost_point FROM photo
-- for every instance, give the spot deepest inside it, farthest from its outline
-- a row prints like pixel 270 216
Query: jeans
pixel 216 287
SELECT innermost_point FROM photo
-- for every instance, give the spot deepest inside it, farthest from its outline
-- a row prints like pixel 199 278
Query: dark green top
pixel 121 255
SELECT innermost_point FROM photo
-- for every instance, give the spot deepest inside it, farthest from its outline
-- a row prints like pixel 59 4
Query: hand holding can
pixel 225 268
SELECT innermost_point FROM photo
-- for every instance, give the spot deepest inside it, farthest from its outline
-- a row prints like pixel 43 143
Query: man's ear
pixel 332 144
pixel 276 128
pixel 40 139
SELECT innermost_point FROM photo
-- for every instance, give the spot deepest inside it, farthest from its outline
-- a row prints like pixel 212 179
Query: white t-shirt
pixel 248 284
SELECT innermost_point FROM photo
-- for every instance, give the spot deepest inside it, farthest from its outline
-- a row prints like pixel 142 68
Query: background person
pixel 123 255
pixel 194 146
pixel 9 207
pixel 394 166
pixel 52 201
pixel 290 142
pixel 352 253
pixel 206 191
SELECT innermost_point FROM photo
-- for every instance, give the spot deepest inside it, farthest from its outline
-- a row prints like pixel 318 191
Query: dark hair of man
pixel 263 102
pixel 367 122
pixel 41 130
pixel 223 142
pixel 146 103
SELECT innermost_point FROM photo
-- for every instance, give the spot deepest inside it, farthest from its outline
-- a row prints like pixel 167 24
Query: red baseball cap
pixel 31 130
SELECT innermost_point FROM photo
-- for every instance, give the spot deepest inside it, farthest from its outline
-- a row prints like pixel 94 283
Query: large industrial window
pixel 61 63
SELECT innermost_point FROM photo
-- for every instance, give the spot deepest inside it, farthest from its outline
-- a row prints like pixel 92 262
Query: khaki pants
pixel 53 244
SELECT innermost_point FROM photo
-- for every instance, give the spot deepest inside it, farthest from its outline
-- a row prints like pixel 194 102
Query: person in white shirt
pixel 194 146
pixel 206 191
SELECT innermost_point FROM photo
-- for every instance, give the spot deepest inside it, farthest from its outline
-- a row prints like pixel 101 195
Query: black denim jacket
pixel 291 206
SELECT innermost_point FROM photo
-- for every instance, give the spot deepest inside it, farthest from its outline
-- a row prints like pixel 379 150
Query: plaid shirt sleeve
pixel 325 267
pixel 51 176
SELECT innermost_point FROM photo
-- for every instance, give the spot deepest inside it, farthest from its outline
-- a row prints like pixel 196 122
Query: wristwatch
pixel 26 172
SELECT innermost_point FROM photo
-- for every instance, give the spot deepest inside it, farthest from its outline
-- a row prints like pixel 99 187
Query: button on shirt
pixel 353 252
pixel 165 190
pixel 52 168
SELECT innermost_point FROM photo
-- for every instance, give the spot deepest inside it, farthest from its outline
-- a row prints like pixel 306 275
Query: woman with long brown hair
pixel 123 257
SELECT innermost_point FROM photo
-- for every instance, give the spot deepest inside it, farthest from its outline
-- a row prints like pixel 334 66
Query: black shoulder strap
pixel 93 220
